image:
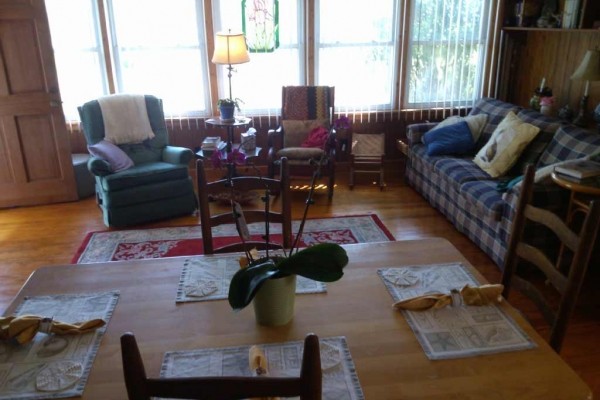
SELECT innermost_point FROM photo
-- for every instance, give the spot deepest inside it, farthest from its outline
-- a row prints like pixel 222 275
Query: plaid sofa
pixel 473 201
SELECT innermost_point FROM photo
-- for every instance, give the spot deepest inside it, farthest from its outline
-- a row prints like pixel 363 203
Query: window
pixel 78 52
pixel 258 83
pixel 157 48
pixel 446 52
pixel 357 51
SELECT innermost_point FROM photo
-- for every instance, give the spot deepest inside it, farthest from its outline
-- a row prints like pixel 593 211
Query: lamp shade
pixel 589 69
pixel 230 48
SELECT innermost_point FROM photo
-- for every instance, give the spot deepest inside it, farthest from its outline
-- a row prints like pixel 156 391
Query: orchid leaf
pixel 322 262
pixel 246 282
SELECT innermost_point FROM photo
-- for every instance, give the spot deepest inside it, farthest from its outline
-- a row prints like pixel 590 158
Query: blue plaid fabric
pixel 484 196
pixel 496 111
pixel 569 143
pixel 416 131
pixel 469 198
pixel 532 153
pixel 460 170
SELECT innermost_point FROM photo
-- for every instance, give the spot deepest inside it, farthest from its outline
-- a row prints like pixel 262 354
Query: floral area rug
pixel 105 246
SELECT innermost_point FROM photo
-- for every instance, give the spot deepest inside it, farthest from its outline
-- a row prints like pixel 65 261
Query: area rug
pixel 105 246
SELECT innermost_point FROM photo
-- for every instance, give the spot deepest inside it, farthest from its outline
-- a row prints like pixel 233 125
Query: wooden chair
pixel 243 184
pixel 140 387
pixel 567 283
pixel 304 109
pixel 367 156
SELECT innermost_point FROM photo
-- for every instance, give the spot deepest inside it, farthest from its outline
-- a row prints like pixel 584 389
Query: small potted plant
pixel 271 280
pixel 227 108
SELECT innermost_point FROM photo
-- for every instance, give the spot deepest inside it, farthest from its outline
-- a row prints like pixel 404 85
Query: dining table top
pixel 390 362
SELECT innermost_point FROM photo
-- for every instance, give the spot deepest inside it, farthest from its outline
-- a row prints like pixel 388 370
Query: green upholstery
pixel 158 186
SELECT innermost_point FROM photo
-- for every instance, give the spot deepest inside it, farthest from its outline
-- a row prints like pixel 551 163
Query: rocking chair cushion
pixel 301 153
pixel 296 132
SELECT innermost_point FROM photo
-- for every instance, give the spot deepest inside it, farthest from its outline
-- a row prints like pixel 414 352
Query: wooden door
pixel 35 154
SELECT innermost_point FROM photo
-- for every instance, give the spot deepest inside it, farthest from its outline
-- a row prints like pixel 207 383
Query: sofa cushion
pixel 460 170
pixel 143 174
pixel 506 145
pixel 569 143
pixel 476 123
pixel 496 111
pixel 485 197
pixel 532 153
pixel 454 138
pixel 420 151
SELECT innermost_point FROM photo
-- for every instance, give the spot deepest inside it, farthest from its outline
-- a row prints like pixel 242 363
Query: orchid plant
pixel 322 262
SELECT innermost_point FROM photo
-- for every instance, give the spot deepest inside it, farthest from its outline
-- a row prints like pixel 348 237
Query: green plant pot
pixel 274 301
pixel 227 112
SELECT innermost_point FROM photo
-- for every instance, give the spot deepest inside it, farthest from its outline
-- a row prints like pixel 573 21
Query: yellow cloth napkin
pixel 258 366
pixel 24 328
pixel 471 296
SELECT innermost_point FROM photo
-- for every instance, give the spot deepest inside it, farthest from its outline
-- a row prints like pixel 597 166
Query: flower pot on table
pixel 274 301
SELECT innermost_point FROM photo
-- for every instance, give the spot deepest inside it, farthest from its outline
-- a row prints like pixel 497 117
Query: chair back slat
pixel 278 188
pixel 308 386
pixel 567 281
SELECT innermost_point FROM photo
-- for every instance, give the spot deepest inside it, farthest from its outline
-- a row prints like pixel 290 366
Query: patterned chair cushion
pixel 569 143
pixel 306 102
pixel 295 132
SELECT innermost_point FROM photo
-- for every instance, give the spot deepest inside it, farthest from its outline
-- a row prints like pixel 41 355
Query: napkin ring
pixel 457 300
pixel 45 325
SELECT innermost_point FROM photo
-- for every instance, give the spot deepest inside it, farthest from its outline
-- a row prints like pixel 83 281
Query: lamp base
pixel 580 119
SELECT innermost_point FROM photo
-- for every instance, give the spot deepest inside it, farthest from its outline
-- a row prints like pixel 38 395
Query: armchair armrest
pixel 177 155
pixel 415 132
pixel 273 135
pixel 98 166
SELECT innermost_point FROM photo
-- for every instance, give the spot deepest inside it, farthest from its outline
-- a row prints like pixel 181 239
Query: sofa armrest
pixel 177 155
pixel 415 132
pixel 98 166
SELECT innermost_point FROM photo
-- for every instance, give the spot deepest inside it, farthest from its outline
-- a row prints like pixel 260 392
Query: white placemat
pixel 45 356
pixel 207 278
pixel 340 381
pixel 452 332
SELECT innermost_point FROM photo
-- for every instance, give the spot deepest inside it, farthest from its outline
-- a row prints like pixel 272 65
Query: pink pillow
pixel 116 158
pixel 316 138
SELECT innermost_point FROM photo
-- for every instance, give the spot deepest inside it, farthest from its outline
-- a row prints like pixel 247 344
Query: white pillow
pixel 505 146
pixel 475 122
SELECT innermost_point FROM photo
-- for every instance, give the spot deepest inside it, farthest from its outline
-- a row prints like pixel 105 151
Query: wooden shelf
pixel 533 29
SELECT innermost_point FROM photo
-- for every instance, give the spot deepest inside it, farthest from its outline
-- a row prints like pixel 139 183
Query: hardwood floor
pixel 45 235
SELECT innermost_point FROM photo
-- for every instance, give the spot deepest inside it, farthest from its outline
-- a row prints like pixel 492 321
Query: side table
pixel 581 194
pixel 230 126
pixel 579 200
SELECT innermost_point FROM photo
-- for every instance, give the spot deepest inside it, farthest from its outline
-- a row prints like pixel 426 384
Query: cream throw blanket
pixel 125 118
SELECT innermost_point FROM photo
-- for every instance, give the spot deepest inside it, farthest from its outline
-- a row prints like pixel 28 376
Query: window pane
pixel 159 49
pixel 447 52
pixel 361 43
pixel 77 52
pixel 258 83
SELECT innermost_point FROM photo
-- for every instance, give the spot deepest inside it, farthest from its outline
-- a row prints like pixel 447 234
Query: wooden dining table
pixel 389 360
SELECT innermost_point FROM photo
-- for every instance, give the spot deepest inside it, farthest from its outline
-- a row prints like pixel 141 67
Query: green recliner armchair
pixel 155 184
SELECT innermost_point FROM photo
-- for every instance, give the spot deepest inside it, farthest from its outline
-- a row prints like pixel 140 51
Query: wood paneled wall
pixel 190 132
pixel 530 55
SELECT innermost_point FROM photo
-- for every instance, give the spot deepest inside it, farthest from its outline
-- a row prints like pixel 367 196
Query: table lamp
pixel 230 49
pixel 588 70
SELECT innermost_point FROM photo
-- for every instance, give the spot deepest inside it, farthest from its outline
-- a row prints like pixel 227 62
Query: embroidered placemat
pixel 208 278
pixel 50 366
pixel 452 332
pixel 340 380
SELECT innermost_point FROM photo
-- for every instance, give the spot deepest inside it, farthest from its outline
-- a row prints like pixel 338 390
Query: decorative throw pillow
pixel 476 124
pixel 316 138
pixel 451 139
pixel 116 158
pixel 295 132
pixel 505 146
